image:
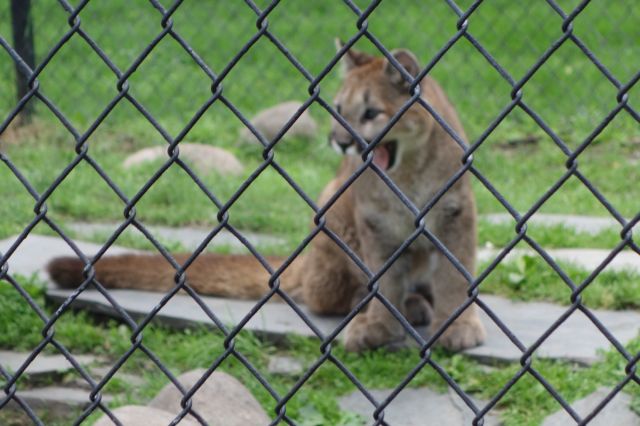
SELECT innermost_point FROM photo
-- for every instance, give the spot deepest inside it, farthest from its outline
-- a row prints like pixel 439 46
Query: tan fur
pixel 368 217
pixel 236 276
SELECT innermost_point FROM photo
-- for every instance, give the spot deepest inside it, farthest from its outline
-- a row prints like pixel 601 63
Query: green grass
pixel 568 92
pixel 316 402
pixel 529 277
pixel 548 236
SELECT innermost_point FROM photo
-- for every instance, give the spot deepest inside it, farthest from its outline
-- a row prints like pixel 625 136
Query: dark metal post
pixel 23 43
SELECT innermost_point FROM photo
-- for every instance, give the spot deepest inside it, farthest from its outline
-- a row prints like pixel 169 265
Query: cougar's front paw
pixel 463 334
pixel 362 334
pixel 417 309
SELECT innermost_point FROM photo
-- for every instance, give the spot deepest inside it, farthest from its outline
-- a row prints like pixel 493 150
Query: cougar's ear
pixel 409 62
pixel 352 58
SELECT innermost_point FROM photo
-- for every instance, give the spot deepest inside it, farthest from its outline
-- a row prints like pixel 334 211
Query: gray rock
pixel 205 158
pixel 189 237
pixel 136 415
pixel 588 224
pixel 577 339
pixel 270 121
pixel 615 413
pixel 57 401
pixel 273 320
pixel 416 407
pixel 221 400
pixel 284 365
pixel 42 365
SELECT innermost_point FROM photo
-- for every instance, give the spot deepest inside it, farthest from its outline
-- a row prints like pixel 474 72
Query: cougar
pixel 419 156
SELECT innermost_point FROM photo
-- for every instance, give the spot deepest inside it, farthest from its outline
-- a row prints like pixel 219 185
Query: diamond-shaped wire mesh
pixel 266 48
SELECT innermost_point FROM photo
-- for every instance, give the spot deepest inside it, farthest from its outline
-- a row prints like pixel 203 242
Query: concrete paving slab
pixel 416 407
pixel 274 319
pixel 285 365
pixel 587 224
pixel 42 365
pixel 577 339
pixel 588 259
pixel 33 254
pixel 36 251
pixel 100 372
pixel 57 401
pixel 188 236
pixel 616 412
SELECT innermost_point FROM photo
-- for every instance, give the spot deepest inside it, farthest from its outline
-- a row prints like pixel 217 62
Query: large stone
pixel 42 365
pixel 615 413
pixel 416 407
pixel 205 158
pixel 587 224
pixel 270 121
pixel 136 415
pixel 221 400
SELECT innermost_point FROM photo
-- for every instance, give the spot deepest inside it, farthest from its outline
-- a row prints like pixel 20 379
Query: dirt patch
pixel 20 130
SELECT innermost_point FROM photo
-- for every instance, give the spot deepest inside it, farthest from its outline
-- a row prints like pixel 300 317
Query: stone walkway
pixel 42 365
pixel 58 401
pixel 588 224
pixel 588 259
pixel 615 413
pixel 189 237
pixel 576 340
pixel 422 406
pixel 273 319
pixel 416 407
pixel 36 251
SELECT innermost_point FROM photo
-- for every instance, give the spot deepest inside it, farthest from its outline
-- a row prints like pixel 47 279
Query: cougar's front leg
pixel 376 326
pixel 450 287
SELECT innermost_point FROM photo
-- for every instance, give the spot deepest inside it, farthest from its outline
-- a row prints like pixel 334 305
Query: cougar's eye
pixel 338 109
pixel 370 114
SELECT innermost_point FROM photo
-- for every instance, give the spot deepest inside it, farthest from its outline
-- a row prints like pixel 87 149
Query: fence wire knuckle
pixel 168 28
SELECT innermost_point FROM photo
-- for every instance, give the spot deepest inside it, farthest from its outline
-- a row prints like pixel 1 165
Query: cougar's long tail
pixel 237 276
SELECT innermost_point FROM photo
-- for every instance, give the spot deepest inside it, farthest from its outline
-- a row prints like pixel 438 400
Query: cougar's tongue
pixel 381 156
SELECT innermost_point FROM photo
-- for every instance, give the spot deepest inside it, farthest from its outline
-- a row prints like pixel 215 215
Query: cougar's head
pixel 372 92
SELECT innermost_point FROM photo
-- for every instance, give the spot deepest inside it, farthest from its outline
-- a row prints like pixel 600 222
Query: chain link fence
pixel 231 56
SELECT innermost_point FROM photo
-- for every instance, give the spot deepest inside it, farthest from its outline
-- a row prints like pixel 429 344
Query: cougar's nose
pixel 344 145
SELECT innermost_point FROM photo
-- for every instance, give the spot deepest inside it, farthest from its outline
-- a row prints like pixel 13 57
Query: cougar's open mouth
pixel 385 155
